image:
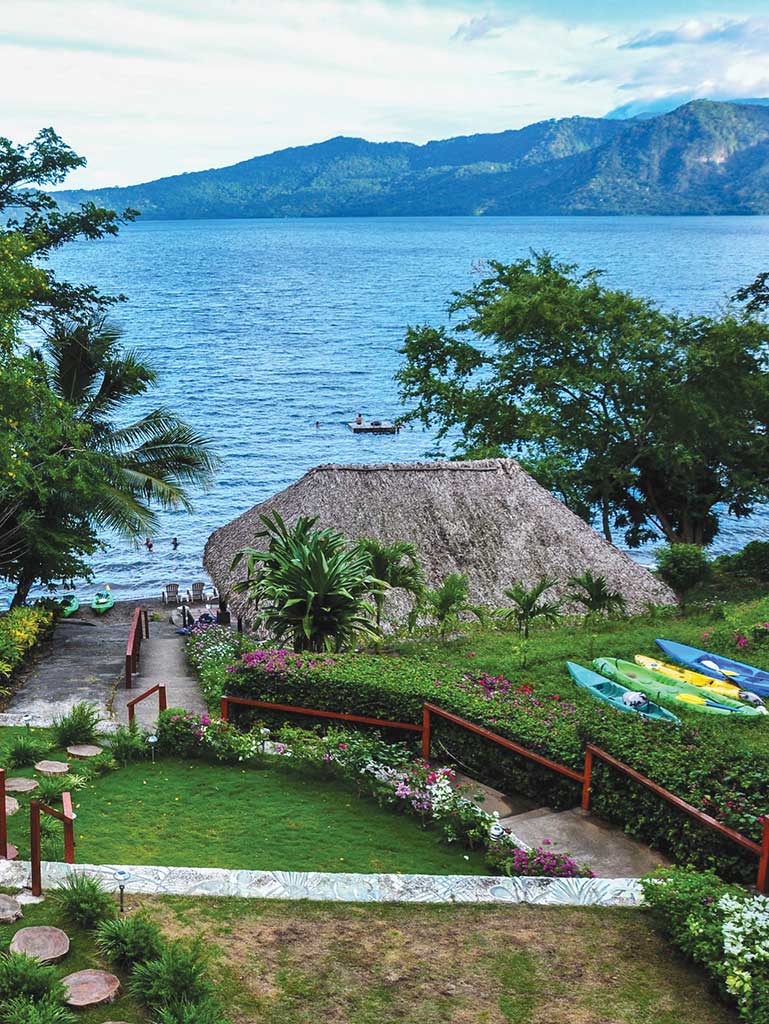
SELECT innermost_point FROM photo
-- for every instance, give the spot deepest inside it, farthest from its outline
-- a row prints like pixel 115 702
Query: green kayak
pixel 612 693
pixel 69 605
pixel 659 687
pixel 102 602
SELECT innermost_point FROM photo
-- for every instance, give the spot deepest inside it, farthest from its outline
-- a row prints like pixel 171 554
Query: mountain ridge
pixel 704 157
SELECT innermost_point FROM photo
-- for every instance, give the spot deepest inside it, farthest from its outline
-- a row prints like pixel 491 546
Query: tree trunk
pixel 605 520
pixel 22 591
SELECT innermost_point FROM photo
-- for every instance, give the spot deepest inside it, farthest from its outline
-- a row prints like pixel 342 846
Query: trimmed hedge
pixel 716 773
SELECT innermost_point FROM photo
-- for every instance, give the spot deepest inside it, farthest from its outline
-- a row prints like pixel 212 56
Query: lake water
pixel 258 328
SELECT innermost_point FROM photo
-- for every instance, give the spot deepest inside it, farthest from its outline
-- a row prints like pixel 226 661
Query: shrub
pixel 186 734
pixel 176 976
pixel 22 975
pixel 21 1010
pixel 722 927
pixel 20 630
pixel 127 745
pixel 25 749
pixel 126 941
pixel 205 1012
pixel 752 561
pixel 77 726
pixel 84 900
pixel 517 863
pixel 683 566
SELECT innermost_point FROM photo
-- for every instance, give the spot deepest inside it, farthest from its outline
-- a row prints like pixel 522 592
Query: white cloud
pixel 749 33
pixel 145 88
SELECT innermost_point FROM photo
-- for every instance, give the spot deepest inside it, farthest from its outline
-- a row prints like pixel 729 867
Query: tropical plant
pixel 448 601
pixel 528 604
pixel 84 900
pixel 25 749
pixel 309 586
pixel 592 593
pixel 23 1010
pixel 77 726
pixel 128 744
pixel 395 564
pixel 129 940
pixel 22 975
pixel 176 975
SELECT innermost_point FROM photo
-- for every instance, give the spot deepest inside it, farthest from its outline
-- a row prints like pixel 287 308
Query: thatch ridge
pixel 487 518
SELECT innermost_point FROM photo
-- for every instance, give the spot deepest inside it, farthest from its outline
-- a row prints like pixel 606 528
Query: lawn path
pixel 162 661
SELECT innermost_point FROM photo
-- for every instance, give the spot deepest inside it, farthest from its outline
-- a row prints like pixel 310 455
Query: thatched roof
pixel 488 519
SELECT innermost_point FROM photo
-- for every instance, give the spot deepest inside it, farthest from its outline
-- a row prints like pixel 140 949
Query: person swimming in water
pixel 174 543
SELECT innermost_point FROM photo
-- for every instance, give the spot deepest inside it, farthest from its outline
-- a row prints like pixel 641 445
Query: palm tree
pixel 396 564
pixel 310 586
pixel 150 461
pixel 447 602
pixel 529 606
pixel 594 596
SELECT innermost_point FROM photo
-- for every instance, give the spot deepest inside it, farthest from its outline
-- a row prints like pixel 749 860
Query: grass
pixel 82 955
pixel 193 814
pixel 299 963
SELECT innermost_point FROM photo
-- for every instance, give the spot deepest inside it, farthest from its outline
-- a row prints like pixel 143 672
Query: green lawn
pixel 193 814
pixel 302 963
pixel 82 955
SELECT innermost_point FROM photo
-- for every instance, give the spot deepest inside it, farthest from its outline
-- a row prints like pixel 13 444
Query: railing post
pixel 762 883
pixel 162 699
pixel 69 829
pixel 146 616
pixel 3 818
pixel 128 670
pixel 425 733
pixel 34 847
pixel 587 778
pixel 131 715
pixel 224 713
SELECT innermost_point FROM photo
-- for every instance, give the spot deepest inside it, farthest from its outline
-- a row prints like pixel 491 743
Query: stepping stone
pixel 49 945
pixel 10 909
pixel 20 785
pixel 84 750
pixel 11 805
pixel 52 767
pixel 90 988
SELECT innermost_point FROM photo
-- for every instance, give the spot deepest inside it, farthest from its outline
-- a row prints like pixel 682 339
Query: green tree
pixel 528 604
pixel 593 594
pixel 309 585
pixel 397 565
pixel 626 412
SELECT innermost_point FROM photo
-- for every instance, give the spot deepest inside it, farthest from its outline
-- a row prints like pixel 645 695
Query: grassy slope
pixel 299 963
pixel 192 814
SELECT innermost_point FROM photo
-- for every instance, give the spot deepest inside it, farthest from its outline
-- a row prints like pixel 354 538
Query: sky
pixel 146 88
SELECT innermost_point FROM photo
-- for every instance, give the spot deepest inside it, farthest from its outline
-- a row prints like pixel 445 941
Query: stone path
pixel 162 661
pixel 605 849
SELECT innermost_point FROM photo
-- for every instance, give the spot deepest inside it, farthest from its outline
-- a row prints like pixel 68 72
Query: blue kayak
pixel 717 667
pixel 605 689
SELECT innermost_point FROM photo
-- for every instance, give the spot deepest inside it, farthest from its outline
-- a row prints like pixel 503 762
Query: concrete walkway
pixel 162 661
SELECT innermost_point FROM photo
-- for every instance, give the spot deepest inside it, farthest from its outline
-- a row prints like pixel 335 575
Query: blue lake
pixel 258 328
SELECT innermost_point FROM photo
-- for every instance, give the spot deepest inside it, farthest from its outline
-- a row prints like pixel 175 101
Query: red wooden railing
pixel 66 815
pixel 140 629
pixel 7 851
pixel 159 688
pixel 585 777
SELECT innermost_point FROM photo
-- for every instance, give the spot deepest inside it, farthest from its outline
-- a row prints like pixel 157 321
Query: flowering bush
pixel 186 734
pixel 722 927
pixel 20 630
pixel 542 862
pixel 210 648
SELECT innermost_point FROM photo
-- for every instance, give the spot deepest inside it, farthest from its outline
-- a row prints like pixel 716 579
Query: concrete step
pixel 537 812
pixel 605 849
pixel 494 800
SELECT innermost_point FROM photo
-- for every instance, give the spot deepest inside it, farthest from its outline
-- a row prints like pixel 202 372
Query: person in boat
pixel 358 420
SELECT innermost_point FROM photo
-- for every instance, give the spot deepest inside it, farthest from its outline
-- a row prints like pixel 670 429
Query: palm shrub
pixel 129 940
pixel 448 601
pixel 25 749
pixel 395 564
pixel 23 1010
pixel 592 593
pixel 25 976
pixel 84 900
pixel 176 975
pixel 77 726
pixel 309 586
pixel 528 604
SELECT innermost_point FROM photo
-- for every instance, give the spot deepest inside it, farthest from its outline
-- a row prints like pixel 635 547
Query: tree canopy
pixel 651 421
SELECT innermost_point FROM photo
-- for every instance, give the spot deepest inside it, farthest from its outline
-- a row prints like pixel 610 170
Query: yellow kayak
pixel 686 675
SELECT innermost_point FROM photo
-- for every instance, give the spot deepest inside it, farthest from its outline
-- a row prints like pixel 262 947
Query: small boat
pixel 717 667
pixel 712 686
pixel 102 602
pixel 69 604
pixel 604 689
pixel 373 427
pixel 658 687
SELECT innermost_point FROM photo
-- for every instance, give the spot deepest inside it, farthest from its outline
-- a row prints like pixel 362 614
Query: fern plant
pixel 25 749
pixel 23 1010
pixel 77 726
pixel 24 976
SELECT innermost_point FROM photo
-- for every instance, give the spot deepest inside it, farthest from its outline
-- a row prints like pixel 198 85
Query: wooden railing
pixel 140 629
pixel 7 852
pixel 65 815
pixel 761 850
pixel 160 689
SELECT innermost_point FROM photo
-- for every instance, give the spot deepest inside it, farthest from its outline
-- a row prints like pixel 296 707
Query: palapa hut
pixel 488 519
